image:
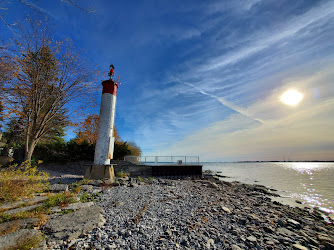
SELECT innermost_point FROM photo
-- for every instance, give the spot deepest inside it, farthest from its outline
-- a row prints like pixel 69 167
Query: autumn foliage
pixel 88 133
pixel 89 128
pixel 47 78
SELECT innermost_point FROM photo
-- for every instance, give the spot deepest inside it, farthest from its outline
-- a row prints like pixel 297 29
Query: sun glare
pixel 291 97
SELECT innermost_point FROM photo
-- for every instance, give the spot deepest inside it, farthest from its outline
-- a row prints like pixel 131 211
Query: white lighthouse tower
pixel 104 149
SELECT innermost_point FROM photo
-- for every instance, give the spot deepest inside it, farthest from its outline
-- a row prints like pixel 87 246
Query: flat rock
pixel 71 226
pixel 22 237
pixel 251 239
pixel 35 199
pixel 284 231
pixel 17 224
pixel 58 188
pixel 22 209
pixel 299 247
pixel 79 205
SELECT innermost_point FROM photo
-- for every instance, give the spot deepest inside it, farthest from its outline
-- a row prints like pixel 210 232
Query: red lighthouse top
pixel 109 86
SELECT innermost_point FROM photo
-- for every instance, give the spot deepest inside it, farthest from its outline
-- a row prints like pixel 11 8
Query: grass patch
pixel 60 199
pixel 27 243
pixel 122 174
pixel 12 228
pixel 20 215
pixel 86 197
pixel 76 189
pixel 20 181
pixel 141 179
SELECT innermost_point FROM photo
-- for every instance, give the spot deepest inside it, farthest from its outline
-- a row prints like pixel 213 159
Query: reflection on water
pixel 309 182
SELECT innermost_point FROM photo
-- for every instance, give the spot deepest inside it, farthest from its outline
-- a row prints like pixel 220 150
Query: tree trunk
pixel 30 147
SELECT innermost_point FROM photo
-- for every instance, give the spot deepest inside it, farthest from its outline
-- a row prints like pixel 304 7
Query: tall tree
pixel 51 78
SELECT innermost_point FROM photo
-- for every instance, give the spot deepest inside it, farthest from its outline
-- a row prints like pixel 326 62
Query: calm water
pixel 310 182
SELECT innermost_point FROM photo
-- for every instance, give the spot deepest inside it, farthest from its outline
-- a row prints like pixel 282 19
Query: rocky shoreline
pixel 147 213
pixel 199 214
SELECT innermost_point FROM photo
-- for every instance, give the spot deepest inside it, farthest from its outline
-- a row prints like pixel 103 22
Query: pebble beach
pixel 199 214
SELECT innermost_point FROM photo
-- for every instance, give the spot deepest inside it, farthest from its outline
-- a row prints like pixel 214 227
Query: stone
pixel 251 239
pixel 293 223
pixel 284 231
pixel 98 183
pixel 299 247
pixel 226 210
pixel 22 209
pixel 96 191
pixel 71 226
pixel 58 188
pixel 79 205
pixel 18 224
pixel 86 188
pixel 22 238
pixel 268 229
pixel 209 243
pixel 35 199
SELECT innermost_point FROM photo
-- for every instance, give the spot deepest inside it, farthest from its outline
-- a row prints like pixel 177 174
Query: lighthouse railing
pixel 163 160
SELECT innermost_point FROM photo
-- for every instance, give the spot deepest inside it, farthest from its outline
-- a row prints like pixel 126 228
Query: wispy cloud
pixel 302 133
pixel 225 103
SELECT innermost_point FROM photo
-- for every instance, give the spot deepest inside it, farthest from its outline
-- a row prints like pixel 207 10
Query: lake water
pixel 311 183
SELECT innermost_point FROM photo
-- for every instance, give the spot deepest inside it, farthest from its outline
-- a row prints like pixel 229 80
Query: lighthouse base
pixel 100 172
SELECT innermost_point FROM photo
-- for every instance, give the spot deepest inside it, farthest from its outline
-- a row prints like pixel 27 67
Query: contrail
pixel 225 103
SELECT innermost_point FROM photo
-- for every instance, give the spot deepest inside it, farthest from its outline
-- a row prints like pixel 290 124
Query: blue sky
pixel 205 77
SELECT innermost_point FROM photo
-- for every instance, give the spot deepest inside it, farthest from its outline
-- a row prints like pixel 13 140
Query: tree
pixel 89 129
pixel 51 78
pixel 32 6
pixel 134 148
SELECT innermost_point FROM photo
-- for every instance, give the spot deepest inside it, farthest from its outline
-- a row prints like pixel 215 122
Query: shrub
pixel 19 181
pixel 122 174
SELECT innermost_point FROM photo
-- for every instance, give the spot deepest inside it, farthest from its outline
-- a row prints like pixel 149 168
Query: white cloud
pixel 303 133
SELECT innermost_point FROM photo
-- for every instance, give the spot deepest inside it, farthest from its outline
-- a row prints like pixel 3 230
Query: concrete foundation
pixel 100 172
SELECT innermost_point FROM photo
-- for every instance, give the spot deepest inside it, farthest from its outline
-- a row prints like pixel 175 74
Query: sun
pixel 291 97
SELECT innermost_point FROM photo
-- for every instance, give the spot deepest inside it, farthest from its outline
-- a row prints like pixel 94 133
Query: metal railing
pixel 161 160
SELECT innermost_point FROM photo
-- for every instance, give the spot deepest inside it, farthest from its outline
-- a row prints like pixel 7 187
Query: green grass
pixel 60 199
pixel 86 197
pixel 122 174
pixel 141 179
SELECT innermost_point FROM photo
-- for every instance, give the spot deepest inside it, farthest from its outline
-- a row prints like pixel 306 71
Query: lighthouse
pixel 104 149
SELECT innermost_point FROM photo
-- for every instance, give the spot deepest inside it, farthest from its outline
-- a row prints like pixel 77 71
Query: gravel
pixel 186 214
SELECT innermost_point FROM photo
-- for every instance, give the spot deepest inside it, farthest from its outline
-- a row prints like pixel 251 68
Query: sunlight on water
pixel 308 182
